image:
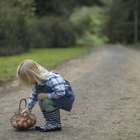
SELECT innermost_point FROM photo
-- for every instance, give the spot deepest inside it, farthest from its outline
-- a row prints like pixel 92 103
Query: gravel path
pixel 106 83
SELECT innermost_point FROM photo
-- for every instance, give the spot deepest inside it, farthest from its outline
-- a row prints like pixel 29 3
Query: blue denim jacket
pixel 64 102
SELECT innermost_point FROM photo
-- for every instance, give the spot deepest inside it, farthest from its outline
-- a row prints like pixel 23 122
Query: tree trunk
pixel 135 26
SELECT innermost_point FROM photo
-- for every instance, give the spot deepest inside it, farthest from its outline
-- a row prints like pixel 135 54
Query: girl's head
pixel 29 72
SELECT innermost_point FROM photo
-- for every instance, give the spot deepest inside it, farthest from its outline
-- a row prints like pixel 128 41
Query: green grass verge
pixel 46 57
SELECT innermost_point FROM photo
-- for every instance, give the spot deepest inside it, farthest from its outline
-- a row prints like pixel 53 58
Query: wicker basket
pixel 25 121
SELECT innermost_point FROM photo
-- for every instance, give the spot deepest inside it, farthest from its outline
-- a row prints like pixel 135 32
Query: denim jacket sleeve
pixel 33 98
pixel 57 83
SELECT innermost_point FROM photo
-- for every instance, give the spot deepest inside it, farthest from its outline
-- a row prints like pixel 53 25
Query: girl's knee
pixel 48 105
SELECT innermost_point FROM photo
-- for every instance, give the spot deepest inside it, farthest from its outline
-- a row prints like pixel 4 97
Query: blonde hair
pixel 29 71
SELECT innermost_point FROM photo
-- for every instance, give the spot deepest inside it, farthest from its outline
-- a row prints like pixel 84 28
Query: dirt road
pixel 107 107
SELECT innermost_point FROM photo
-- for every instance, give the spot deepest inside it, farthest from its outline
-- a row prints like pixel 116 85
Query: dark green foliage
pixel 49 7
pixel 61 7
pixel 51 32
pixel 82 25
pixel 89 2
pixel 120 23
pixel 13 38
pixel 39 23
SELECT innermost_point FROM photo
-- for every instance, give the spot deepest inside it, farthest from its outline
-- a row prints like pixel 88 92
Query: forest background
pixel 32 28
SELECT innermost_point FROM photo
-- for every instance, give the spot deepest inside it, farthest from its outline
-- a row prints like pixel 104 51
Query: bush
pixel 13 36
pixel 51 32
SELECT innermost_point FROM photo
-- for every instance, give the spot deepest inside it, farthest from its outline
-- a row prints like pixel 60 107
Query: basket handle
pixel 20 103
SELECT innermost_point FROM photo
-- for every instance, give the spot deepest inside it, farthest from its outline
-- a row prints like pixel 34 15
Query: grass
pixel 46 57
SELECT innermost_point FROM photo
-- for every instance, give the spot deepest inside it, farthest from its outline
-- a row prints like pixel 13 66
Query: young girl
pixel 50 90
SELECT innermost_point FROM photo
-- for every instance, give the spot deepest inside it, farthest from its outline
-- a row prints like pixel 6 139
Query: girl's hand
pixel 42 96
pixel 26 110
